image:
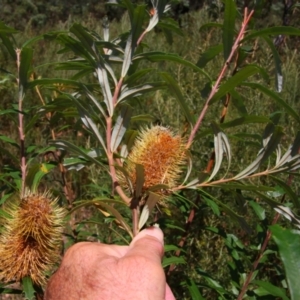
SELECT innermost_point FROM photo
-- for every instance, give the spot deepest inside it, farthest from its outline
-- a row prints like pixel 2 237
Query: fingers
pixel 169 294
pixel 149 244
pixel 88 252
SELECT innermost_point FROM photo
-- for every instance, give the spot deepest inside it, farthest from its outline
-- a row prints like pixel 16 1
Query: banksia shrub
pixel 31 238
pixel 161 153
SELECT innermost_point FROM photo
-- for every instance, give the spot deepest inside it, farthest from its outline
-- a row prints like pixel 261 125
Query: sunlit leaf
pixel 127 56
pixel 140 90
pixel 120 127
pixel 104 83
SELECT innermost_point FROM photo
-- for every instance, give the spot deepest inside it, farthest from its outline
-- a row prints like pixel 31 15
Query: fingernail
pixel 155 232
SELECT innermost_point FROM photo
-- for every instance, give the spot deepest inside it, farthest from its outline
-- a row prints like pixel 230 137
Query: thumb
pixel 149 243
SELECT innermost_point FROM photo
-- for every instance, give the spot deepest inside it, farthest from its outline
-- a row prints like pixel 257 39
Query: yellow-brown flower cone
pixel 162 154
pixel 31 238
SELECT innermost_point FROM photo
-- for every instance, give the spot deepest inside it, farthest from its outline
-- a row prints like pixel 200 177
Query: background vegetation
pixel 218 238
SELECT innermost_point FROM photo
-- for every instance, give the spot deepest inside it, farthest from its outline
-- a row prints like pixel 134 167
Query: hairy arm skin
pixel 91 271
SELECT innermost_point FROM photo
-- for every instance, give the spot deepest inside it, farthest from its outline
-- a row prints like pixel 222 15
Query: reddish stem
pixel 21 129
pixel 221 75
pixel 262 249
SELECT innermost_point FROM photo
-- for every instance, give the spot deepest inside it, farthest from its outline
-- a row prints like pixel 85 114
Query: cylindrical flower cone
pixel 31 238
pixel 161 153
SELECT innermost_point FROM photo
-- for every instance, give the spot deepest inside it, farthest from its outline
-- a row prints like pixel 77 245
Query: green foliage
pixel 75 117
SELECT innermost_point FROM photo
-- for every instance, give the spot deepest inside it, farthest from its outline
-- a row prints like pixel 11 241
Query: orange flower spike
pixel 162 155
pixel 31 238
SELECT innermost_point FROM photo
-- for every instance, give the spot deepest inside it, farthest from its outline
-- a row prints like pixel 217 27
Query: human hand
pixel 91 271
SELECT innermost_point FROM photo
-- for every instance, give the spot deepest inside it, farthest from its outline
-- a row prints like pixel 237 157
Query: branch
pixel 21 129
pixel 262 249
pixel 221 75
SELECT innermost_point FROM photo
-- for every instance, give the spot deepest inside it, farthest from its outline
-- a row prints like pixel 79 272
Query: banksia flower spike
pixel 161 153
pixel 31 238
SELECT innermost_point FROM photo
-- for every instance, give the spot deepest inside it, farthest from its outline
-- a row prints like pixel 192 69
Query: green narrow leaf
pixel 28 288
pixel 156 56
pixel 272 143
pixel 213 206
pixel 8 44
pixel 130 8
pixel 296 145
pixel 275 97
pixel 129 140
pixel 271 289
pixel 127 56
pixel 288 242
pixel 136 29
pixel 173 260
pixel 5 29
pixel 260 212
pixel 147 209
pixel 65 145
pixel 208 55
pixel 76 46
pixel 228 27
pixel 95 101
pixel 33 40
pixel 140 90
pixel 209 25
pixel 120 127
pixel 9 140
pixel 140 179
pixel 245 187
pixel 136 76
pixel 174 88
pixel 277 63
pixel 285 30
pixel 193 289
pixel 5 34
pixel 170 26
pixel 235 217
pixel 238 101
pixel 25 63
pixel 54 81
pixel 35 173
pixel 116 214
pixel 143 118
pixel 234 81
pixel 288 190
pixel 84 37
